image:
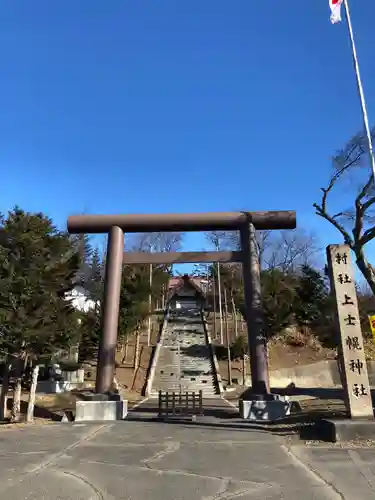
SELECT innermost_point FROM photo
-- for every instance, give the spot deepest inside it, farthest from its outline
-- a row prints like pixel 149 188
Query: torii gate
pixel 245 222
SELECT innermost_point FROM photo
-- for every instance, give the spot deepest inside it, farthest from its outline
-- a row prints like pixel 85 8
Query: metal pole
pixel 110 312
pixel 163 297
pixel 179 365
pixel 220 306
pixel 227 337
pixel 254 311
pixel 234 316
pixel 214 299
pixel 149 310
pixel 360 88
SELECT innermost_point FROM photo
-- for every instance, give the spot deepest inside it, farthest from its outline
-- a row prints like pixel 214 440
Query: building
pixel 79 299
pixel 185 294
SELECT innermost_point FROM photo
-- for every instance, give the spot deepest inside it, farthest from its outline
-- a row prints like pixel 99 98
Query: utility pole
pixel 149 310
pixel 244 358
pixel 214 301
pixel 234 315
pixel 227 338
pixel 220 305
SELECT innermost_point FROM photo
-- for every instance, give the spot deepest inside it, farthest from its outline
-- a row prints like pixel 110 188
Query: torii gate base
pixel 245 222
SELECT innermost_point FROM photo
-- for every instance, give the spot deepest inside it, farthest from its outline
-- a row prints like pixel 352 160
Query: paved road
pixel 137 460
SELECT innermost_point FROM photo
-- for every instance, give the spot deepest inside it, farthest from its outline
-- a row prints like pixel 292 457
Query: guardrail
pixel 215 364
pixel 147 388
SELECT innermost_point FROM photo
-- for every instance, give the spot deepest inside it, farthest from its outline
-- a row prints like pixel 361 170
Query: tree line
pixel 295 289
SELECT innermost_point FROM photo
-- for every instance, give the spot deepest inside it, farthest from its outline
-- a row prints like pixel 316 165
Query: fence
pixel 180 404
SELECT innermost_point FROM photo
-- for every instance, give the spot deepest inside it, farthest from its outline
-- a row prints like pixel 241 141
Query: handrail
pixel 218 381
pixel 155 357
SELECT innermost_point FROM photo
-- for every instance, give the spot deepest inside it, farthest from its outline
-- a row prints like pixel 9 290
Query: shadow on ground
pixel 221 415
pixel 335 395
pixel 39 411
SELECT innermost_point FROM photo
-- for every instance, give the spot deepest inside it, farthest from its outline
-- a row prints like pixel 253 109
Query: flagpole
pixel 360 88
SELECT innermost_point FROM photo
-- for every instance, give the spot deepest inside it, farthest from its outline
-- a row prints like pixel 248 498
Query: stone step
pixel 155 394
pixel 177 369
pixel 184 388
pixel 192 362
pixel 177 374
pixel 180 342
pixel 206 380
pixel 171 359
pixel 193 370
pixel 191 359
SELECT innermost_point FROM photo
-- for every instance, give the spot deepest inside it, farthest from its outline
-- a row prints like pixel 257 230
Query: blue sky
pixel 177 106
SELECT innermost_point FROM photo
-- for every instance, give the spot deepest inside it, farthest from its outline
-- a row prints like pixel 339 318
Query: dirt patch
pixel 286 356
pixel 280 356
pixel 129 378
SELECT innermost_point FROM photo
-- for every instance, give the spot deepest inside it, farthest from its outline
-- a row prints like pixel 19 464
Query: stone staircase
pixel 184 360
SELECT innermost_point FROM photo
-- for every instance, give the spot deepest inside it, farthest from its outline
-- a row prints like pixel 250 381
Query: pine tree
pixel 37 267
pixel 90 324
pixel 278 295
pixel 135 289
pixel 81 242
pixel 94 282
pixel 311 298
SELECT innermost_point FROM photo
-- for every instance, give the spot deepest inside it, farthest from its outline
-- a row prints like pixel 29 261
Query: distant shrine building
pixel 185 293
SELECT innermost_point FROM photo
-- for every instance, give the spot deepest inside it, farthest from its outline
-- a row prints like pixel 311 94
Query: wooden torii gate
pixel 245 222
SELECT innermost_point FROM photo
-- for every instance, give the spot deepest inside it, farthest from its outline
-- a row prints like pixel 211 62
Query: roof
pixel 181 282
pixel 176 280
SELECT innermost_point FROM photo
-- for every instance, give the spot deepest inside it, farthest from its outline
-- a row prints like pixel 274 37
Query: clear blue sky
pixel 175 105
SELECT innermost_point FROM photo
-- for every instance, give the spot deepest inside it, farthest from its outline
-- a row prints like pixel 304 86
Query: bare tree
pixel 288 250
pixel 356 223
pixel 156 242
pixel 263 243
pixel 285 250
pixel 223 240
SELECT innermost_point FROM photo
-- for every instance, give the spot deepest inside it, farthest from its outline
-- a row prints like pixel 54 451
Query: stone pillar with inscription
pixel 351 350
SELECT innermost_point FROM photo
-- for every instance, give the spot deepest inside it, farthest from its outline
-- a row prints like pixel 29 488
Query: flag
pixel 335 10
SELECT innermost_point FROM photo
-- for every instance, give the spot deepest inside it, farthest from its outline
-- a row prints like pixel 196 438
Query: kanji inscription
pixel 351 352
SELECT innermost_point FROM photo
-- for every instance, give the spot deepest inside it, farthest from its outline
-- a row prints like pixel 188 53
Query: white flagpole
pixel 360 88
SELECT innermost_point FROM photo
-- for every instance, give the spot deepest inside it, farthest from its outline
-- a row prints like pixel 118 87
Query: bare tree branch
pixel 156 242
pixel 220 240
pixel 353 155
pixel 287 250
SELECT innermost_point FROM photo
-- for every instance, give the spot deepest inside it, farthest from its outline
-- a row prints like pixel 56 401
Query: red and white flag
pixel 335 10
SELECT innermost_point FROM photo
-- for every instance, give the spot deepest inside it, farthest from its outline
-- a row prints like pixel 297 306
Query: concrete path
pixel 136 460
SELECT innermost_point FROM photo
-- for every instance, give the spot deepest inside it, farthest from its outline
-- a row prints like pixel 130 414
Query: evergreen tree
pixel 94 282
pixel 90 321
pixel 278 292
pixel 311 298
pixel 81 243
pixel 278 296
pixel 135 289
pixel 37 266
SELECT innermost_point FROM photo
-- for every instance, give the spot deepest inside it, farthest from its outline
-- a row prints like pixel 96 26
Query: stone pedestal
pixel 345 430
pixel 76 376
pixel 268 408
pixel 94 407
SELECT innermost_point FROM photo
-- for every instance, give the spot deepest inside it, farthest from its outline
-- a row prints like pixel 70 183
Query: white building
pixel 80 301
